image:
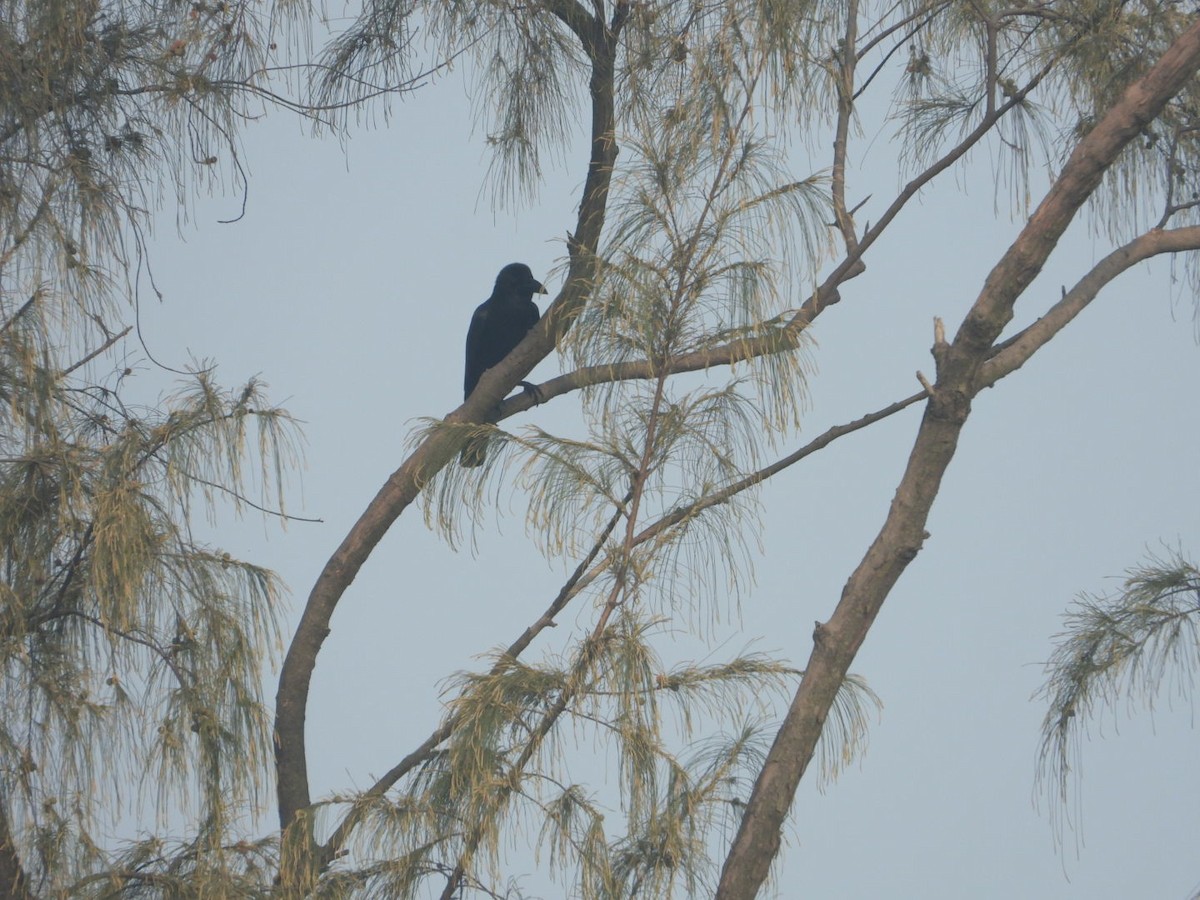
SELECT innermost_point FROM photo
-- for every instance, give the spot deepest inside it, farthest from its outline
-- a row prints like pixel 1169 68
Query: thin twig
pixel 99 350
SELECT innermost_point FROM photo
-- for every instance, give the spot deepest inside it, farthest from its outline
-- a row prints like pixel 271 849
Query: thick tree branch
pixel 440 447
pixel 581 23
pixel 1016 351
pixel 836 642
pixel 1139 105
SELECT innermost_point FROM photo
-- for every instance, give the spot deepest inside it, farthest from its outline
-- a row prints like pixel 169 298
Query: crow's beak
pixel 541 288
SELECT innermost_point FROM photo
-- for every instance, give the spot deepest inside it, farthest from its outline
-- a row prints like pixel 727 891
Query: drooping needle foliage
pixel 1132 648
pixel 131 651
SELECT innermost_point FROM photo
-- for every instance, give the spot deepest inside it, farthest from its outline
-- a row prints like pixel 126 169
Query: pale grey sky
pixel 349 285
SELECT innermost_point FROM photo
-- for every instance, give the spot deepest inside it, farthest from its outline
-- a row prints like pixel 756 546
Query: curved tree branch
pixel 404 485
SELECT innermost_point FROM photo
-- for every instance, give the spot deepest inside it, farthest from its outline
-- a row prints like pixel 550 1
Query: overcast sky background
pixel 348 286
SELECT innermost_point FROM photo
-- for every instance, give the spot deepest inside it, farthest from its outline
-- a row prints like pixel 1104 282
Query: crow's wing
pixel 531 316
pixel 477 339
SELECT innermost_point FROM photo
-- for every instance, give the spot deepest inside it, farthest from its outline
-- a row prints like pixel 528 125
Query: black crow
pixel 499 324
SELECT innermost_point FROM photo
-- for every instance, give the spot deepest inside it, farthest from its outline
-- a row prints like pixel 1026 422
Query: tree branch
pixel 1016 351
pixel 836 642
pixel 727 493
pixel 926 12
pixel 845 111
pixel 403 486
pixel 818 443
pixel 98 351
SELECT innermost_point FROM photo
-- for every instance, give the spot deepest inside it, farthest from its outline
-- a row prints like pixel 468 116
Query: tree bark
pixel 406 483
pixel 836 642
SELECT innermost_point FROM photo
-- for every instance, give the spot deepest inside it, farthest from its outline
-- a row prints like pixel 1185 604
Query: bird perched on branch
pixel 499 324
